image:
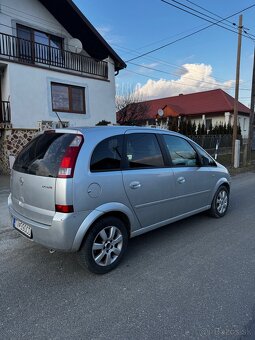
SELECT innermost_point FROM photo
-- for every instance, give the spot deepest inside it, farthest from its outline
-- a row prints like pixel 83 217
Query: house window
pixel 68 98
pixel 37 46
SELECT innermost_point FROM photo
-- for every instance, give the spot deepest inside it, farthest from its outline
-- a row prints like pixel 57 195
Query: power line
pixel 160 61
pixel 198 16
pixel 196 11
pixel 232 24
pixel 218 16
pixel 188 35
pixel 210 12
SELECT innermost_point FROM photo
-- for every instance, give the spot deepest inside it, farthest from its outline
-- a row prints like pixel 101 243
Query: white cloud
pixel 193 78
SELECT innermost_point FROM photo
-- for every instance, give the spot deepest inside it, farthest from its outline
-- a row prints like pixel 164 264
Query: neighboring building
pixel 209 107
pixel 53 63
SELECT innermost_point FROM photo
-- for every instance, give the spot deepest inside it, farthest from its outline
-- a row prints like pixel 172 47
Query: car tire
pixel 220 202
pixel 104 245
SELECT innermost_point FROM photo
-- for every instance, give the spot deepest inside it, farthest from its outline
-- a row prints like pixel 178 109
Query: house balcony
pixel 28 52
pixel 5 114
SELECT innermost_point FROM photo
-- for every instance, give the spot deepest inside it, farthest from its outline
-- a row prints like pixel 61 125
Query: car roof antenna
pixel 62 124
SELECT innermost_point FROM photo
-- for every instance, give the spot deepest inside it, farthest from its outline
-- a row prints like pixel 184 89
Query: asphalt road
pixel 194 279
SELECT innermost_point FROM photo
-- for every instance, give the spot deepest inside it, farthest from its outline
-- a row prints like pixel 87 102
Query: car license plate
pixel 22 227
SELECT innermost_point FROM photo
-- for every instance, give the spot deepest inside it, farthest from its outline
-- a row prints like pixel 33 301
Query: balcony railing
pixel 29 52
pixel 5 112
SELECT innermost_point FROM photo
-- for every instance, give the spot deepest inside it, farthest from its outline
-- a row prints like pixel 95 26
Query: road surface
pixel 194 279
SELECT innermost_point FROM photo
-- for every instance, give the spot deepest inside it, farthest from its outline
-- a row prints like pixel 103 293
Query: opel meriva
pixel 88 190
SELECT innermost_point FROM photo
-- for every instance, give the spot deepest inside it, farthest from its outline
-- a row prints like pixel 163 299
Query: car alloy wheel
pixel 107 246
pixel 104 245
pixel 222 201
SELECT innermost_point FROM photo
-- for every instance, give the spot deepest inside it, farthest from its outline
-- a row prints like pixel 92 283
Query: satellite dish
pixel 160 112
pixel 75 45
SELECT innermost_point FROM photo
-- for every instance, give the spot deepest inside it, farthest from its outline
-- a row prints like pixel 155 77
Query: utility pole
pixel 240 27
pixel 250 137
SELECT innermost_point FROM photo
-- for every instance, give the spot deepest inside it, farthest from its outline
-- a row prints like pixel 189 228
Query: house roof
pixel 74 21
pixel 208 102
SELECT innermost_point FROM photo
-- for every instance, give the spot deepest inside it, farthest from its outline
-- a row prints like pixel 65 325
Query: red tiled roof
pixel 208 102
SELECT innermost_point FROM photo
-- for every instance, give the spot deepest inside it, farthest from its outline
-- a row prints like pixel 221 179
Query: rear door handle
pixel 135 185
pixel 181 180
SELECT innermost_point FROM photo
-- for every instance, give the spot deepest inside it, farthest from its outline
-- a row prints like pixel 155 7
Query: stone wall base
pixel 11 143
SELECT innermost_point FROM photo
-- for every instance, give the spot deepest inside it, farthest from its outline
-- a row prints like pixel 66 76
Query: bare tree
pixel 131 110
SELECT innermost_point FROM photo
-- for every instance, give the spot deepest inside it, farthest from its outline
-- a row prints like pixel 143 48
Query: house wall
pixel 242 120
pixel 215 120
pixel 28 87
pixel 30 96
pixel 244 124
pixel 28 12
pixel 33 14
pixel 5 82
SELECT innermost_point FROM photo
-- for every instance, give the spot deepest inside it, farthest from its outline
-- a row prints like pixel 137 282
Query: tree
pixel 194 129
pixel 199 129
pixel 239 130
pixel 210 129
pixel 203 129
pixel 131 110
pixel 189 128
pixel 172 124
pixel 225 129
pixel 103 122
pixel 229 129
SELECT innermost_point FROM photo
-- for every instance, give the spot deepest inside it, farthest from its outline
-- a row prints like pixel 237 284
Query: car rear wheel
pixel 104 246
pixel 220 202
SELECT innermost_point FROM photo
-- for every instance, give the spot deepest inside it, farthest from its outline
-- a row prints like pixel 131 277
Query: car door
pixel 193 183
pixel 148 183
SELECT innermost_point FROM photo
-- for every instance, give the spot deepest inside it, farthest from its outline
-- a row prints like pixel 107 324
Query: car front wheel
pixel 104 246
pixel 220 202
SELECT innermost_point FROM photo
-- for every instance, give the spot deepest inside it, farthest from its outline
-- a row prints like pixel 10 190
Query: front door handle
pixel 181 180
pixel 135 185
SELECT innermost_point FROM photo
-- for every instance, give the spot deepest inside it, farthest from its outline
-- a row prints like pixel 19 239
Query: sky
pixel 201 62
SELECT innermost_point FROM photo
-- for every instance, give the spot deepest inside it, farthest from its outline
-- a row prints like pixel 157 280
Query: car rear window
pixel 42 156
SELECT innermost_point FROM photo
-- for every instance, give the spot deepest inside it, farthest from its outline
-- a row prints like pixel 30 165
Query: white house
pixel 54 66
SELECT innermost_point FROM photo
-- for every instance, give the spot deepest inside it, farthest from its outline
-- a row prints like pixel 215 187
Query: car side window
pixel 143 151
pixel 181 152
pixel 206 159
pixel 107 155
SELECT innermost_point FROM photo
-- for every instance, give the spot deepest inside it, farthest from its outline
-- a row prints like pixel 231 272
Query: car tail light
pixel 67 164
pixel 64 208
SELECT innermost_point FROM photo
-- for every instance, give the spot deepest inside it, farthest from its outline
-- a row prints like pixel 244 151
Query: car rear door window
pixel 143 151
pixel 107 155
pixel 181 152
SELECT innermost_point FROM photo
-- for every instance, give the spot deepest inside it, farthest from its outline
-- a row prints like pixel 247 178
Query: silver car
pixel 88 190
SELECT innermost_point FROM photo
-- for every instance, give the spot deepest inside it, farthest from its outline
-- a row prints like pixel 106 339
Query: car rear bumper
pixel 59 235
